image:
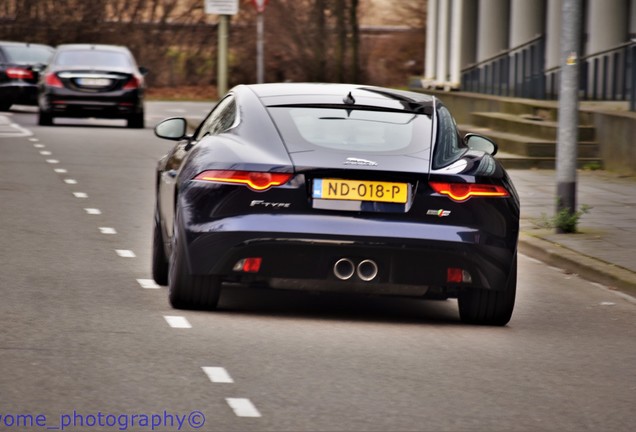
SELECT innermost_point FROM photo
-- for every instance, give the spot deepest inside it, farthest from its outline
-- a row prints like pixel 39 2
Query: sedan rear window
pixel 28 54
pixel 92 58
pixel 352 129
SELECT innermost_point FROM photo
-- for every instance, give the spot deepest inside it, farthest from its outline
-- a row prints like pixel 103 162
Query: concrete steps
pixel 527 137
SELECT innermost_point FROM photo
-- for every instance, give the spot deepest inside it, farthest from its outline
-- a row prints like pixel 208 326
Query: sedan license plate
pixel 360 190
pixel 93 82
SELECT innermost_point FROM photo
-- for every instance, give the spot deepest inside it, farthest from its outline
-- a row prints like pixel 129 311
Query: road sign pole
pixel 568 108
pixel 221 83
pixel 260 68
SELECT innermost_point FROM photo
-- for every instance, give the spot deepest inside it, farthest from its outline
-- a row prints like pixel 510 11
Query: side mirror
pixel 481 143
pixel 172 129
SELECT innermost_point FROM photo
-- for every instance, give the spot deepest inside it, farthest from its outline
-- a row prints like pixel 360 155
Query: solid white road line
pixel 177 321
pixel 93 211
pixel 80 194
pixel 148 284
pixel 243 407
pixel 217 374
pixel 107 230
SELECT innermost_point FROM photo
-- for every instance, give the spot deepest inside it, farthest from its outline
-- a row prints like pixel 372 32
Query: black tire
pixel 187 291
pixel 136 121
pixel 159 260
pixel 489 307
pixel 45 119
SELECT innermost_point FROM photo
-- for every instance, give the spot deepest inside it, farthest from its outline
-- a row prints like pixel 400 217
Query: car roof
pixel 98 47
pixel 335 94
pixel 26 44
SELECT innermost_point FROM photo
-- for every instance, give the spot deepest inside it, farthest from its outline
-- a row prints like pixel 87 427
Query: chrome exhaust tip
pixel 367 270
pixel 344 269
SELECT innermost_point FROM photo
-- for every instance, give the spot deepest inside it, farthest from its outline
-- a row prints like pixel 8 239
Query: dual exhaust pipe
pixel 344 269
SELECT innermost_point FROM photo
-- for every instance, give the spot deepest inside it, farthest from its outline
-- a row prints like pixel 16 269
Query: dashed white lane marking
pixel 243 407
pixel 80 194
pixel 39 145
pixel 148 284
pixel 107 230
pixel 45 153
pixel 60 170
pixel 70 181
pixel 93 211
pixel 608 304
pixel 125 253
pixel 217 374
pixel 52 161
pixel 34 139
pixel 177 321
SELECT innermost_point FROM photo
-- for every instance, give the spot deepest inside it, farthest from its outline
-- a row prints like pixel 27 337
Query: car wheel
pixel 45 119
pixel 489 307
pixel 136 121
pixel 159 260
pixel 187 291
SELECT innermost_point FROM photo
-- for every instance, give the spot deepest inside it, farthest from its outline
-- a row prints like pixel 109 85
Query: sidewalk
pixel 604 250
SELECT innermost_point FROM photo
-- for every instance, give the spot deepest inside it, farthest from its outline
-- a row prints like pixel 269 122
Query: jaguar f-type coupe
pixel 335 188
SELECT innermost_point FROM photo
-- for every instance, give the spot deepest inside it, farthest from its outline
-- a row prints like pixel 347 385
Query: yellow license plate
pixel 359 190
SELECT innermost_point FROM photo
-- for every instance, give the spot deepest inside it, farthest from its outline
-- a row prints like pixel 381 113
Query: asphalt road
pixel 84 342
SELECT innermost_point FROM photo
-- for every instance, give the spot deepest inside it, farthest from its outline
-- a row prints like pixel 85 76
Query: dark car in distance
pixel 20 67
pixel 335 188
pixel 101 81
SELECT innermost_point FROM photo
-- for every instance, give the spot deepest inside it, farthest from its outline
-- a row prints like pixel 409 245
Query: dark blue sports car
pixel 340 188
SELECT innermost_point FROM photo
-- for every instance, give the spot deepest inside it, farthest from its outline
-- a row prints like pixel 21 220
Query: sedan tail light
pixel 19 73
pixel 463 191
pixel 258 181
pixel 53 80
pixel 133 83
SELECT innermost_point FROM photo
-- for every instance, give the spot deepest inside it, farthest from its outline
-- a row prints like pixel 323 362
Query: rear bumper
pixel 19 93
pixel 65 103
pixel 299 252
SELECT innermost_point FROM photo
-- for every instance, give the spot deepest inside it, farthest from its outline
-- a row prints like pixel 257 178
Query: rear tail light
pixel 53 80
pixel 258 181
pixel 19 73
pixel 462 191
pixel 133 83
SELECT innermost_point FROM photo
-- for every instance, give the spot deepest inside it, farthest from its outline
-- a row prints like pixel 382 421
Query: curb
pixel 614 277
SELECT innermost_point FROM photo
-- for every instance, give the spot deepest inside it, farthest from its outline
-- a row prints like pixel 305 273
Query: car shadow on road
pixel 338 307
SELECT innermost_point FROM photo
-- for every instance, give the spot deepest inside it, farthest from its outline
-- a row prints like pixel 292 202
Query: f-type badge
pixel 438 213
pixel 362 162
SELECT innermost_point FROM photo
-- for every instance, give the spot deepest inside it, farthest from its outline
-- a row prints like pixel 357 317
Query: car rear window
pixel 352 129
pixel 28 54
pixel 93 58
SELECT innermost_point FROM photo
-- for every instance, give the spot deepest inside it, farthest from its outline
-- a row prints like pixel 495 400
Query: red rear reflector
pixel 453 275
pixel 52 80
pixel 19 73
pixel 248 265
pixel 463 191
pixel 258 181
pixel 132 83
pixel 457 275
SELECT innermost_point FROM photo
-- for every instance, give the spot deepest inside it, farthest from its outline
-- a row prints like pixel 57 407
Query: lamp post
pixel 568 108
pixel 260 48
